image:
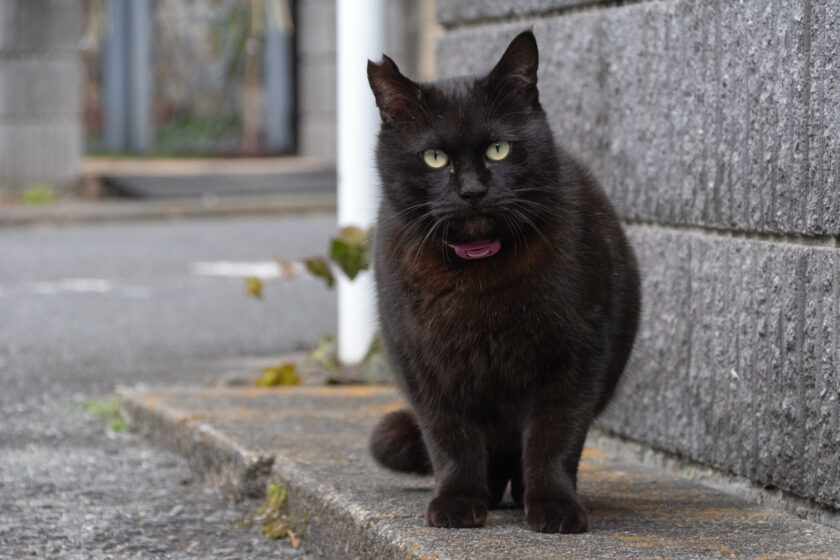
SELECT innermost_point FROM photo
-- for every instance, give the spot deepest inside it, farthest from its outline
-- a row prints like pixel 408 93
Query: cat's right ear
pixel 516 71
pixel 396 96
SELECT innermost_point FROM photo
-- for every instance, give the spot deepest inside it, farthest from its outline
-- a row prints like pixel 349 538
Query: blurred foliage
pixel 372 369
pixel 196 134
pixel 374 366
pixel 320 268
pixel 279 375
pixel 350 250
pixel 108 408
pixel 275 516
pixel 325 355
pixel 38 194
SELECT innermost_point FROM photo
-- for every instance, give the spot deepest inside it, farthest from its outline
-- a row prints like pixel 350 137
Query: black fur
pixel 505 361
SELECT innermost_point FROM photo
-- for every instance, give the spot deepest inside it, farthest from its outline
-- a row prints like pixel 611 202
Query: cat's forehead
pixel 453 97
pixel 458 108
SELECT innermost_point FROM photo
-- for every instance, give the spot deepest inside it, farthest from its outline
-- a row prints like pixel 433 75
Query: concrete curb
pixel 223 463
pixel 312 441
pixel 110 211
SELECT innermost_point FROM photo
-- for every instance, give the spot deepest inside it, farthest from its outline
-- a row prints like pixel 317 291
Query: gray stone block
pixel 41 25
pixel 40 87
pixel 454 12
pixel 737 363
pixel 7 20
pixel 720 115
pixel 316 28
pixel 39 153
pixel 317 135
pixel 317 87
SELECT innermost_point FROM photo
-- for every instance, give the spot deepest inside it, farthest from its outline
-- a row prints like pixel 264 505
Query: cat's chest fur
pixel 474 327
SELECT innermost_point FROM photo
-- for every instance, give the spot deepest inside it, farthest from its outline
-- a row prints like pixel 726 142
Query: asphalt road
pixel 85 308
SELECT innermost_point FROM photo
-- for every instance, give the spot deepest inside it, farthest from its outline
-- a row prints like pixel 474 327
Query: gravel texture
pixel 71 488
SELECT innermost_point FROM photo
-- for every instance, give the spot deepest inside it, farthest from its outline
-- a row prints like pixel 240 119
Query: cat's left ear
pixel 516 71
pixel 397 97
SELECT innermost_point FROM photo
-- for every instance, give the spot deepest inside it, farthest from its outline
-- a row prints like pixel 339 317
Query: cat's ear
pixel 516 71
pixel 396 96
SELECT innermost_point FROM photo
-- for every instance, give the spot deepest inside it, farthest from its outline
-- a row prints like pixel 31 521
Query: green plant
pixel 108 408
pixel 37 194
pixel 348 252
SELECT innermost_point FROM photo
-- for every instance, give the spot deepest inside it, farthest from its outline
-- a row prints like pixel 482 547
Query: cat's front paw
pixel 457 511
pixel 556 516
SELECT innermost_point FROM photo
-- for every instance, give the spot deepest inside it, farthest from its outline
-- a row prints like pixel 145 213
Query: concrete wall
pixel 40 93
pixel 713 126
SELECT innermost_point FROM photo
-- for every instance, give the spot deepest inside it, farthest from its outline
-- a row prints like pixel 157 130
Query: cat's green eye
pixel 497 151
pixel 435 158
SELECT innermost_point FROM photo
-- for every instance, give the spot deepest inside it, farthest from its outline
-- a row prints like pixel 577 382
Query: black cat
pixel 508 295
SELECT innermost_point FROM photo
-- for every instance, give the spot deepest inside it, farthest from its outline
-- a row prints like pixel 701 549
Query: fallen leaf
pixel 319 267
pixel 254 287
pixel 282 374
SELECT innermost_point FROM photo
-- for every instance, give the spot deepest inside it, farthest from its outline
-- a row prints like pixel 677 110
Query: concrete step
pixel 311 442
pixel 112 210
pixel 153 178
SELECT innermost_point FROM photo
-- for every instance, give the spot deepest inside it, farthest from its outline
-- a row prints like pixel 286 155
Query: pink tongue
pixel 480 249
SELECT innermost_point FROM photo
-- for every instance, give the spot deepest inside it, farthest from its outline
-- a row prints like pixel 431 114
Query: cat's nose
pixel 473 192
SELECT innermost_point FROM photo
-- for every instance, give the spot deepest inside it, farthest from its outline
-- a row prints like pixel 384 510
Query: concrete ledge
pixel 315 439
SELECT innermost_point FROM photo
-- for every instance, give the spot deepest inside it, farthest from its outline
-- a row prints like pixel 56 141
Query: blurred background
pixel 120 118
pixel 156 156
pixel 90 85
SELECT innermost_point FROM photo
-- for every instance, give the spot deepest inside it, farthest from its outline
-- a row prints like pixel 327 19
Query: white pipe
pixel 360 37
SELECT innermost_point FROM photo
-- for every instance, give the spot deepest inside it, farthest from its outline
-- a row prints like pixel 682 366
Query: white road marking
pixel 78 285
pixel 101 286
pixel 264 270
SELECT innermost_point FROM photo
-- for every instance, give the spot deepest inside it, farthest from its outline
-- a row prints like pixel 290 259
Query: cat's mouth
pixel 480 249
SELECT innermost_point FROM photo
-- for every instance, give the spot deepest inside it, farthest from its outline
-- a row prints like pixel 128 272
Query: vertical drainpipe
pixel 360 37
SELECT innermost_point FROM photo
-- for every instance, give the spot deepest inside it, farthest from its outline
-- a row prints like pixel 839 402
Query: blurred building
pixel 224 77
pixel 40 94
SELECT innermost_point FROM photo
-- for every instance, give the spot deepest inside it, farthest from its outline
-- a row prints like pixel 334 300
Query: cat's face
pixel 467 159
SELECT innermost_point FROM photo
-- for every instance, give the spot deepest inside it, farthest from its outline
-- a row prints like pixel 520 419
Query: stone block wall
pixel 40 93
pixel 713 127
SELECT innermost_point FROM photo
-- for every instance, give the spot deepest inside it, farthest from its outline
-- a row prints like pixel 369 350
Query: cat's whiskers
pixel 428 234
pixel 413 207
pixel 544 209
pixel 409 228
pixel 515 229
pixel 528 221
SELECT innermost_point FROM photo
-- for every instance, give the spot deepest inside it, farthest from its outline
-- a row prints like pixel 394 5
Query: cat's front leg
pixel 553 444
pixel 458 452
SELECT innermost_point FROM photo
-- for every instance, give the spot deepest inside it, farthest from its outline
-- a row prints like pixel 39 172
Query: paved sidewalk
pixel 312 442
